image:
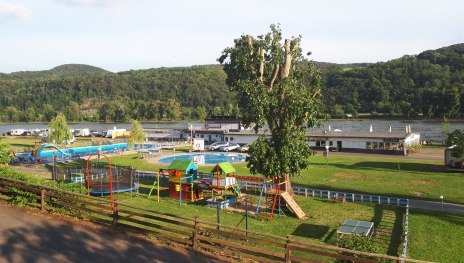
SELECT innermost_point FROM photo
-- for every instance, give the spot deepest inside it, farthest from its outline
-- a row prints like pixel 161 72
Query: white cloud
pixel 13 11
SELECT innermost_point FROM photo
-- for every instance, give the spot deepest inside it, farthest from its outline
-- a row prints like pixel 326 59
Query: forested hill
pixel 428 85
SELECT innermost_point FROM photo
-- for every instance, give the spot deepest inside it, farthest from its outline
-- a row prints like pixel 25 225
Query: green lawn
pixel 419 179
pixel 436 236
pixel 324 217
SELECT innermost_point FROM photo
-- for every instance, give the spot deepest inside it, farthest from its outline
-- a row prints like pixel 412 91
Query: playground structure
pixel 223 180
pixel 273 196
pixel 185 183
pixel 182 174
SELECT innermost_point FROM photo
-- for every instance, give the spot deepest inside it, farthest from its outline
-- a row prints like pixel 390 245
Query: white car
pixel 217 145
pixel 230 147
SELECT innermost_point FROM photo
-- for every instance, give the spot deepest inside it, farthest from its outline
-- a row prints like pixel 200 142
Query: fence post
pixel 287 250
pixel 42 200
pixel 352 197
pixel 306 192
pixel 328 195
pixel 195 234
pixel 115 213
pixel 313 193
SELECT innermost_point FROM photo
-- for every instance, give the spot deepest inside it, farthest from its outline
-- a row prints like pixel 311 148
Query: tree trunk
pixel 288 184
pixel 288 60
pixel 261 64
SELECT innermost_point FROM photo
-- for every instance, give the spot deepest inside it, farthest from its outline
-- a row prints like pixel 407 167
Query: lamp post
pixel 327 154
pixel 54 173
pixel 441 198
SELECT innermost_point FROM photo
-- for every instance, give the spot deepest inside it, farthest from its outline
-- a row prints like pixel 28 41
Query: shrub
pixel 23 197
pixel 359 243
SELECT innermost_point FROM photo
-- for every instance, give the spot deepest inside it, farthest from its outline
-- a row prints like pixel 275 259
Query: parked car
pixel 230 147
pixel 26 133
pixel 217 145
pixel 243 148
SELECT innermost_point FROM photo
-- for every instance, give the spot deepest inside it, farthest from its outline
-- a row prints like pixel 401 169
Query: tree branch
pixel 274 76
pixel 288 60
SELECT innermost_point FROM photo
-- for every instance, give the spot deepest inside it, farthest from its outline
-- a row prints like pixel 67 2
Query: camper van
pixel 82 132
pixel 17 132
pixel 114 133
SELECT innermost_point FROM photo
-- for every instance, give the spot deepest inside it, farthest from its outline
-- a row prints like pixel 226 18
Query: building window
pixel 375 145
pixel 331 143
pixel 318 143
pixel 202 136
pixel 216 135
pixel 231 138
pixel 381 145
pixel 227 139
pixel 368 145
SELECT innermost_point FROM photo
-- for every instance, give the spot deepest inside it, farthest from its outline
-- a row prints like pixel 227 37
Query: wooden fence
pixel 192 232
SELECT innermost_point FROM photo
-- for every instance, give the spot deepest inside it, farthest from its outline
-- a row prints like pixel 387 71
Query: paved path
pixel 31 236
pixel 437 206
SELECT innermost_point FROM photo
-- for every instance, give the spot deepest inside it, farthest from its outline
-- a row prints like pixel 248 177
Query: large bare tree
pixel 279 92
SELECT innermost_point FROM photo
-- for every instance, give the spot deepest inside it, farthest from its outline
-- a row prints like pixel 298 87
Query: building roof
pixel 358 134
pixel 223 119
pixel 225 167
pixel 338 134
pixel 179 165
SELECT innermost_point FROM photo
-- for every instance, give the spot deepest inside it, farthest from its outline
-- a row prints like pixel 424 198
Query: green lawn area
pixel 436 236
pixel 324 217
pixel 421 179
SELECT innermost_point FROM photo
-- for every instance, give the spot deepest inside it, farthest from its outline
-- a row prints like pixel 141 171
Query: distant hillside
pixel 427 85
pixel 77 68
pixel 67 69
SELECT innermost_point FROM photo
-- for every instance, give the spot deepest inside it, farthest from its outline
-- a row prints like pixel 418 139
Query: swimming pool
pixel 79 151
pixel 205 158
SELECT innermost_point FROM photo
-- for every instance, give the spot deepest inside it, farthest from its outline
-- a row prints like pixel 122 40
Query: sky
pixel 120 35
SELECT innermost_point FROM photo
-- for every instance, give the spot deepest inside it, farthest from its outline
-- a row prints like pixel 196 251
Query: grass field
pixel 324 217
pixel 419 179
pixel 436 236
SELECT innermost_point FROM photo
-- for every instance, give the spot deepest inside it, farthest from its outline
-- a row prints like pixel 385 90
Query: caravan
pixel 114 133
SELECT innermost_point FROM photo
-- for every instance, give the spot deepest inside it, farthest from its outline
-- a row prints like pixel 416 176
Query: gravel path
pixel 32 236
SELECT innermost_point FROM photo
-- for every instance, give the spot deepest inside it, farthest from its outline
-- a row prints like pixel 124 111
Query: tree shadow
pixel 54 241
pixel 388 227
pixel 311 231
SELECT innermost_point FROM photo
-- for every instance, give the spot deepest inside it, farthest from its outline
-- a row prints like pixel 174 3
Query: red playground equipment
pixel 182 174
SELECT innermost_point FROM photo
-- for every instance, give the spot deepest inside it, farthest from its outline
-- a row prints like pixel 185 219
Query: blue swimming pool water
pixel 83 151
pixel 204 158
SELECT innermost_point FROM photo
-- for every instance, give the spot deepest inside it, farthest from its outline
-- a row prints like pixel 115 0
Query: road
pixel 32 236
pixel 437 206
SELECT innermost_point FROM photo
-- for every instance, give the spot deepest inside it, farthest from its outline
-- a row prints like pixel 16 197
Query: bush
pixel 359 243
pixel 23 197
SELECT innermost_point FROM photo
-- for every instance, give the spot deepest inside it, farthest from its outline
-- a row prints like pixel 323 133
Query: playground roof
pixel 351 226
pixel 225 167
pixel 179 165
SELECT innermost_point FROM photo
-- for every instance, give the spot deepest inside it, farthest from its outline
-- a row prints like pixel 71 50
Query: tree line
pixel 428 85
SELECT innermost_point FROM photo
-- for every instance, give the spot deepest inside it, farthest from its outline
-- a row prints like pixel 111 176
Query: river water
pixel 429 130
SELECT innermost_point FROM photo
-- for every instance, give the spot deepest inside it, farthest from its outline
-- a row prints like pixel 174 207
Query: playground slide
pixel 293 205
pixel 40 153
pixel 235 190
